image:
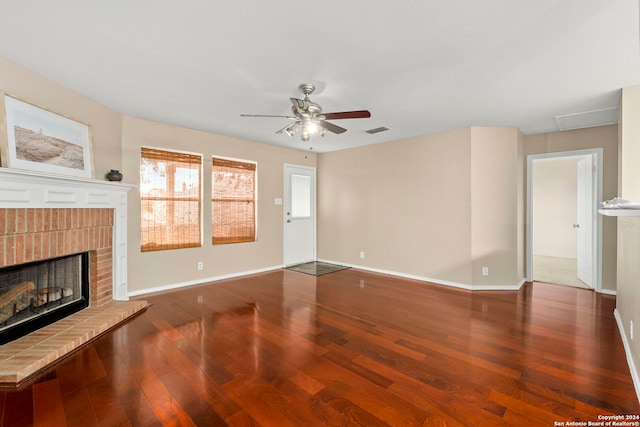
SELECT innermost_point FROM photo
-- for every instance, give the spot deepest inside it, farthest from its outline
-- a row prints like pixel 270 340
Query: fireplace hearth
pixel 39 293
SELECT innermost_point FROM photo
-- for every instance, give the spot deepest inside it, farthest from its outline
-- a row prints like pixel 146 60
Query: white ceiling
pixel 419 66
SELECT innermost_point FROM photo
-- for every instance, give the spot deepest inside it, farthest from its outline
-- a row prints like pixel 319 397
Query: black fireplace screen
pixel 36 294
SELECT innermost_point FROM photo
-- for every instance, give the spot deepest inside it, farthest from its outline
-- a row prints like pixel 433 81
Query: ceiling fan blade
pixel 266 115
pixel 331 127
pixel 359 114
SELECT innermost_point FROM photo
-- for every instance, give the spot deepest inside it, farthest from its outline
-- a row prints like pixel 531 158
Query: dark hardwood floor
pixel 348 348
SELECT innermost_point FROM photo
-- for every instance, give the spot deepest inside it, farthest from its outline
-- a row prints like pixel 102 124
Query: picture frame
pixel 37 139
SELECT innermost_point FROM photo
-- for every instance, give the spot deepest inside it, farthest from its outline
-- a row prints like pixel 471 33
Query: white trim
pixel 627 349
pixel 598 155
pixel 202 281
pixel 515 287
pixel 608 292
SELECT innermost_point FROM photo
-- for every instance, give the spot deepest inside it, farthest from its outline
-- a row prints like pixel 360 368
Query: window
pixel 170 200
pixel 300 196
pixel 233 201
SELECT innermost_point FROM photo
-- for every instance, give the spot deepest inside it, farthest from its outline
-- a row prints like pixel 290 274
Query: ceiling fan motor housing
pixel 307 88
pixel 309 109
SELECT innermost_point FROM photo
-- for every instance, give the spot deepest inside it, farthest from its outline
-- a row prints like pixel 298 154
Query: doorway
pixel 299 214
pixel 563 229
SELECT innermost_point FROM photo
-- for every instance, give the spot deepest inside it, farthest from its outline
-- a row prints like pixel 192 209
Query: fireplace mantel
pixel 27 189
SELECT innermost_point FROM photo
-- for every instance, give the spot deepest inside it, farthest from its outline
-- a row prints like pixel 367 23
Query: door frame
pixel 597 219
pixel 585 203
pixel 312 171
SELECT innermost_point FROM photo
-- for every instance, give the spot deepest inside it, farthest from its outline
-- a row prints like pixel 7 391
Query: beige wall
pixel 495 214
pixel 629 118
pixel 522 212
pixel 437 206
pixel 628 266
pixel 605 137
pixel 555 201
pixel 105 124
pixel 168 268
pixel 418 195
pixel 406 204
pixel 116 145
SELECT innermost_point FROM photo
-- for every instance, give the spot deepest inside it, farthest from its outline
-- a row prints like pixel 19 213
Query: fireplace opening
pixel 37 294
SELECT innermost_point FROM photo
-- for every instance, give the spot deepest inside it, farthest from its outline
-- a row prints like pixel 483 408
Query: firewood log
pixel 16 299
pixel 51 294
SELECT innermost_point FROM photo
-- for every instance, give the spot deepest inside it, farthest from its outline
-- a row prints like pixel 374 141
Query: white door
pixel 299 214
pixel 585 225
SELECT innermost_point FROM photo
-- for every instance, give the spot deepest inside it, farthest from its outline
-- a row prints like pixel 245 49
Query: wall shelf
pixel 619 212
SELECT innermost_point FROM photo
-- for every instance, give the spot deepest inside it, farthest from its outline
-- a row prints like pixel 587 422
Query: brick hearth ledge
pixel 26 356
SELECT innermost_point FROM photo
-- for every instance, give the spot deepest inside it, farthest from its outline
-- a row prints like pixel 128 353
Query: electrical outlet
pixel 361 254
pixel 200 265
pixel 485 271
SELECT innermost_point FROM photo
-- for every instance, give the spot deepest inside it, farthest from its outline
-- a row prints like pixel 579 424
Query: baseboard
pixel 201 281
pixel 432 280
pixel 627 349
pixel 556 256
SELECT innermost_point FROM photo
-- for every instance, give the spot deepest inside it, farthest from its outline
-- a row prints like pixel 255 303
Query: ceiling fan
pixel 309 118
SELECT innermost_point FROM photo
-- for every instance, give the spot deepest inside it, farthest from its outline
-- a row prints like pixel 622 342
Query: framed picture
pixel 39 140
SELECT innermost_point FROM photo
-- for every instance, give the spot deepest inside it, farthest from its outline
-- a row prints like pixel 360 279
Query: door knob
pixel 576 225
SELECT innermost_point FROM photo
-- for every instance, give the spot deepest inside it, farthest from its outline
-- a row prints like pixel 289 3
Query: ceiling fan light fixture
pixel 291 130
pixel 305 134
pixel 311 127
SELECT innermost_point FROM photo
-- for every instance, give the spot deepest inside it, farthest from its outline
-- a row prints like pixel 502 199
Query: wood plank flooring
pixel 345 349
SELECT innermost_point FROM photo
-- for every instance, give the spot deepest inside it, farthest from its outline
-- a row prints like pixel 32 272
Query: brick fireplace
pixel 44 217
pixel 35 234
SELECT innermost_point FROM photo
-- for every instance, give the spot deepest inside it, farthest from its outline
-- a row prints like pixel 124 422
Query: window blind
pixel 170 200
pixel 233 201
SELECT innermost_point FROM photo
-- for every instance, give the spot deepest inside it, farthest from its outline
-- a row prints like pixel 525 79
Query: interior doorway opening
pixel 563 228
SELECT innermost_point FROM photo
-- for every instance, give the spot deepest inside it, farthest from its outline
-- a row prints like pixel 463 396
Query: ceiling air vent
pixel 587 119
pixel 377 130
